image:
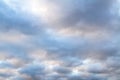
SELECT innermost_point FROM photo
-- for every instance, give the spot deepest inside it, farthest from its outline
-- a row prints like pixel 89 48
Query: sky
pixel 59 39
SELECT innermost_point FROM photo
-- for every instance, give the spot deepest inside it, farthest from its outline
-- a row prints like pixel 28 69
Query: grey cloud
pixel 5 75
pixel 32 70
pixel 70 61
pixel 97 68
pixel 5 64
pixel 55 77
pixel 103 50
pixel 113 61
pixel 62 70
pixel 91 77
pixel 13 50
pixel 70 51
pixel 75 77
pixel 92 13
pixel 73 55
pixel 18 78
pixel 12 20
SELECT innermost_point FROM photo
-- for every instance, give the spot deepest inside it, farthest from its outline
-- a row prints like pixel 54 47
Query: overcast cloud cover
pixel 59 39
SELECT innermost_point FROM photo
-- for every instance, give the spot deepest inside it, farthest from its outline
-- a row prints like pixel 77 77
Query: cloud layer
pixel 59 40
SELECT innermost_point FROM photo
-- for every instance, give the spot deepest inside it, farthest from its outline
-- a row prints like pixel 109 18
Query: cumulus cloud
pixel 59 40
pixel 14 19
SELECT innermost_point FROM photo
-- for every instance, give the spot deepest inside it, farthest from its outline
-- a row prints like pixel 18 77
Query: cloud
pixel 4 75
pixel 32 70
pixel 4 64
pixel 15 20
pixel 59 40
pixel 13 37
pixel 62 70
pixel 71 14
pixel 96 68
